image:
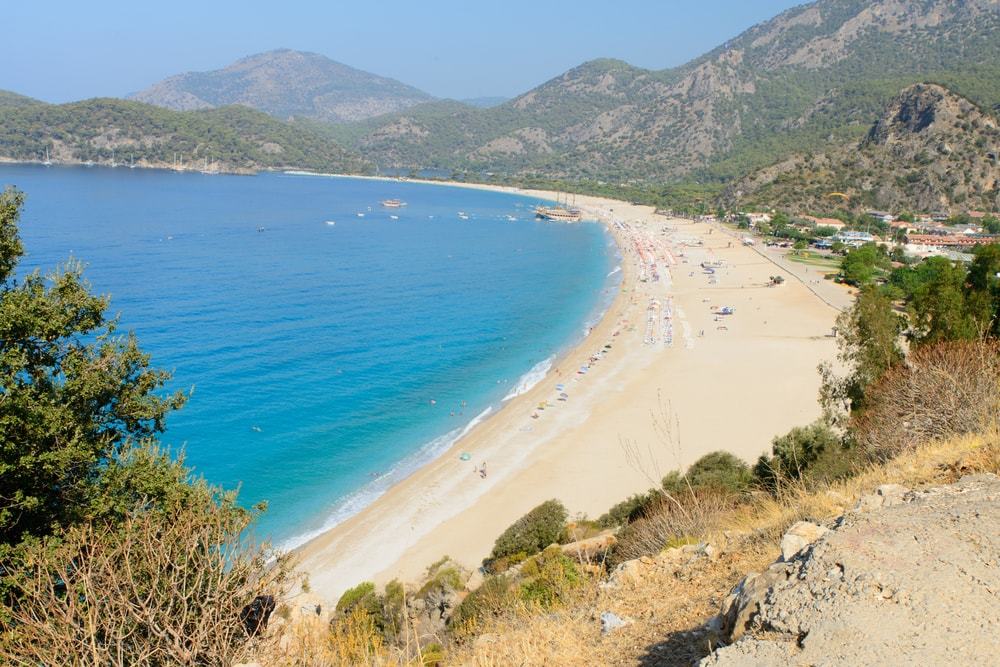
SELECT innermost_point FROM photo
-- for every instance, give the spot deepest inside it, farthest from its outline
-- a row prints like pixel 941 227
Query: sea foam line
pixel 530 379
pixel 358 500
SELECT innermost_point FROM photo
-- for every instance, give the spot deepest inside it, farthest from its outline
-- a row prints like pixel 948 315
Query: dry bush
pixel 162 588
pixel 942 390
pixel 671 522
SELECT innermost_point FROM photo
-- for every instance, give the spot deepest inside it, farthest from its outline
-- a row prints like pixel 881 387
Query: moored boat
pixel 558 213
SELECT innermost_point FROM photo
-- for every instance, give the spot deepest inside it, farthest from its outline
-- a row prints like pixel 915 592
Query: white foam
pixel 373 490
pixel 530 379
pixel 615 270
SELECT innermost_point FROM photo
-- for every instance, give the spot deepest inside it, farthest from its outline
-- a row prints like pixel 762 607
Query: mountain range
pixel 817 74
pixel 809 82
pixel 288 85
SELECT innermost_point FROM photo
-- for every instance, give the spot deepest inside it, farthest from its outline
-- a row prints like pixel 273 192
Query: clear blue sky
pixel 67 49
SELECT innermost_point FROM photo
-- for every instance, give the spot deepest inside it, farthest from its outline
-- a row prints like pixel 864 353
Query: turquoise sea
pixel 327 361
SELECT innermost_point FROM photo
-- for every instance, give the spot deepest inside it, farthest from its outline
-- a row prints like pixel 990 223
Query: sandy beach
pixel 667 379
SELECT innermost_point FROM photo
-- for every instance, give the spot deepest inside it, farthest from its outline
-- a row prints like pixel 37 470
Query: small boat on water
pixel 361 215
pixel 462 215
pixel 394 217
pixel 393 203
pixel 558 213
pixel 331 222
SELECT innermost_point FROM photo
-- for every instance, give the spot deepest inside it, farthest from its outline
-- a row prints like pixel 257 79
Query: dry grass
pixel 670 606
pixel 669 602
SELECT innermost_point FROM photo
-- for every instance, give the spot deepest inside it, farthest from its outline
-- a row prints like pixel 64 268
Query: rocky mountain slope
pixel 931 150
pixel 907 578
pixel 232 138
pixel 287 84
pixel 814 75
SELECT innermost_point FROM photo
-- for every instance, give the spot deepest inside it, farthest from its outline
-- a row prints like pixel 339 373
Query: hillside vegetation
pixel 231 138
pixel 815 75
pixel 931 150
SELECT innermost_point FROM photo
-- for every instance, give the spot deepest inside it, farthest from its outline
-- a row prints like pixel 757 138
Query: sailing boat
pixel 206 170
pixel 113 162
pixel 131 161
pixel 559 212
pixel 48 162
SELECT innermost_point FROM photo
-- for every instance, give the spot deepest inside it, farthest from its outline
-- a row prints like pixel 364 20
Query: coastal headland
pixel 698 352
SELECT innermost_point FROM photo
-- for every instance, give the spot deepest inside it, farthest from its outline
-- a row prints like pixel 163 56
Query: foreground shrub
pixel 942 390
pixel 356 597
pixel 721 471
pixel 175 587
pixel 631 509
pixel 813 453
pixel 549 577
pixel 671 524
pixel 493 598
pixel 533 532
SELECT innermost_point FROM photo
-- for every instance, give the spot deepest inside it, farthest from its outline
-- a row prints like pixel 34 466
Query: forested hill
pixel 10 100
pixel 101 130
pixel 930 150
pixel 287 84
pixel 813 76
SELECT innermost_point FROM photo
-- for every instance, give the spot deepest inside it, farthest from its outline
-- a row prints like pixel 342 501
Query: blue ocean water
pixel 327 360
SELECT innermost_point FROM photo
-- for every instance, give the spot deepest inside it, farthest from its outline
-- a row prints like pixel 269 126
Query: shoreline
pixel 594 318
pixel 574 451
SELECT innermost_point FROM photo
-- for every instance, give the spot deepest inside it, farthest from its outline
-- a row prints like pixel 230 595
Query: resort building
pixel 855 239
pixel 825 222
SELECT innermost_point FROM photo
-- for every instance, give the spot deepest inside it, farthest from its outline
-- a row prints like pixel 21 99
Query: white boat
pixel 394 217
pixel 393 203
pixel 48 162
pixel 131 164
pixel 361 215
pixel 331 222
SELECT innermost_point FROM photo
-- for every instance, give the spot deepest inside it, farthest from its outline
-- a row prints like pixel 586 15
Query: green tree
pixel 109 549
pixel 938 307
pixel 984 288
pixel 868 345
pixel 862 265
pixel 75 396
pixel 814 450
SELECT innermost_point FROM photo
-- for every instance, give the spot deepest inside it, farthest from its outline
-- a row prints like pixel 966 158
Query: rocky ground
pixel 908 577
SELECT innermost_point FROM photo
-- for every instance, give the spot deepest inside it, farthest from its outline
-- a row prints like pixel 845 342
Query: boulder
pixel 744 602
pixel 591 550
pixel 798 537
pixel 611 622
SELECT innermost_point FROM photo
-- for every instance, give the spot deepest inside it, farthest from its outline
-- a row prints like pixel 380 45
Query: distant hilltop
pixel 289 85
pixel 930 150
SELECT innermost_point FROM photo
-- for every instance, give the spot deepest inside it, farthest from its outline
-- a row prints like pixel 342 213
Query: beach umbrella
pixel 465 456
